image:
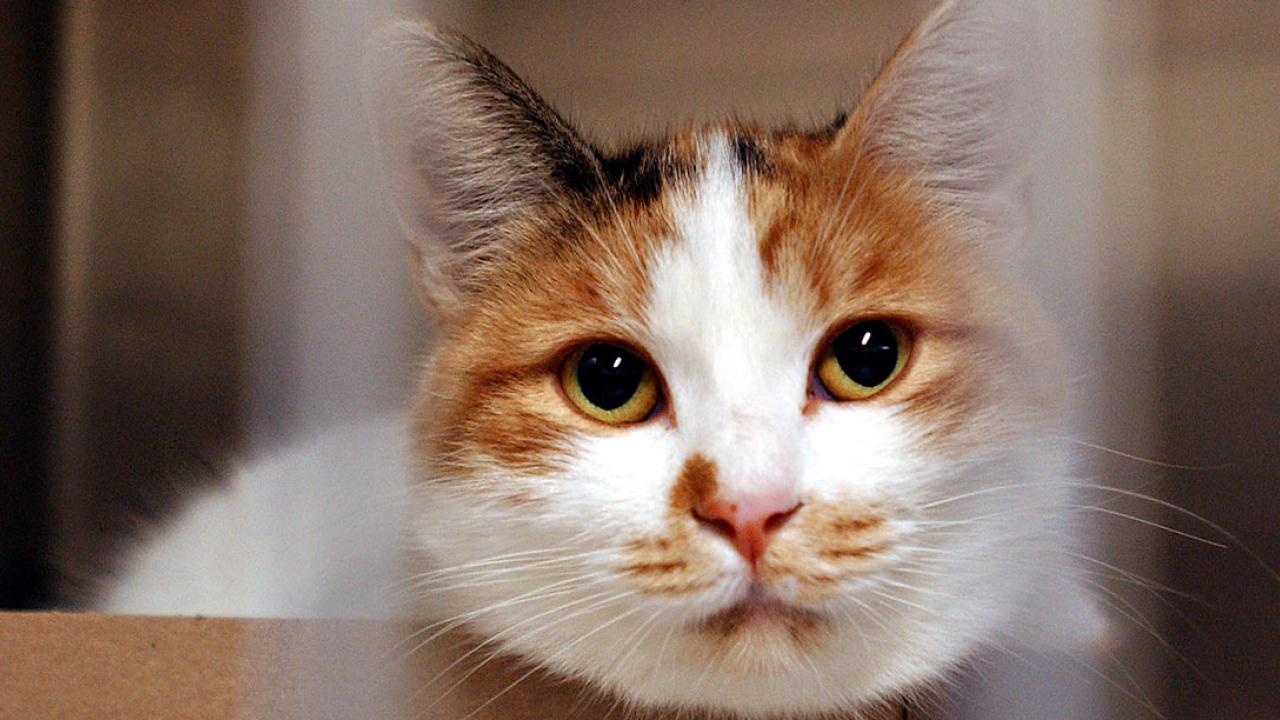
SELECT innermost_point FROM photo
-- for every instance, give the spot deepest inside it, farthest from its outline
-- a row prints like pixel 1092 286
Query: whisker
pixel 702 677
pixel 635 640
pixel 490 581
pixel 596 603
pixel 500 573
pixel 535 669
pixel 817 676
pixel 930 525
pixel 1137 695
pixel 1150 523
pixel 912 588
pixel 1139 458
pixel 457 620
pixel 1115 601
pixel 908 603
pixel 870 614
pixel 857 626
pixel 1234 541
pixel 498 559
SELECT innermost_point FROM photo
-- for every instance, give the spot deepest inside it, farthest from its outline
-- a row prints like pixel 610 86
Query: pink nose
pixel 747 521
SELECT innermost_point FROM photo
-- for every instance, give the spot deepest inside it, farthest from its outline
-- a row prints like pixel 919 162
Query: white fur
pixel 735 358
pixel 311 530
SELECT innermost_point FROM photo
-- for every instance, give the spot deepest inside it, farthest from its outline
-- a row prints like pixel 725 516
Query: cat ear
pixel 957 106
pixel 471 153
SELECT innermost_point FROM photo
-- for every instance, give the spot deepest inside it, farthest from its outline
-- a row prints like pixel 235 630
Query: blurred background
pixel 196 262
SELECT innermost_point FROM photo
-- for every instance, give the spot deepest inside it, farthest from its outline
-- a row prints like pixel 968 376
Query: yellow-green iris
pixel 610 383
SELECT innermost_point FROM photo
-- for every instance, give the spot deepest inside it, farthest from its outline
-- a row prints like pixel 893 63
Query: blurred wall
pixel 1216 97
pixel 150 260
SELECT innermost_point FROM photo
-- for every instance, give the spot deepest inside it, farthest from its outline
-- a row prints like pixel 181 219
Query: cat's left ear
pixel 473 157
pixel 957 108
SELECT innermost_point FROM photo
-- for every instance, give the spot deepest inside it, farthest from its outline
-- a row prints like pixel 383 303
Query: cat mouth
pixel 761 609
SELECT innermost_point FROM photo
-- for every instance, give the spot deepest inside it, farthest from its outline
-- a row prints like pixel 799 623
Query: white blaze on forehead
pixel 735 357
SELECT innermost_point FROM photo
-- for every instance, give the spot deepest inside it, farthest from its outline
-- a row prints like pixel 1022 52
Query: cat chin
pixel 762 662
pixel 765 661
pixel 762 673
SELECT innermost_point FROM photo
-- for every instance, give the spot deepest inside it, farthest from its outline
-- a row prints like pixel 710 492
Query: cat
pixel 743 421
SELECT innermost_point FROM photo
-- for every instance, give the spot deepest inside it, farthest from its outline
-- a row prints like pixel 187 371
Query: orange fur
pixel 489 391
pixel 697 483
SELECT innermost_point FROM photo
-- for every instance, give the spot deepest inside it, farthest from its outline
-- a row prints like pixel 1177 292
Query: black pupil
pixel 609 375
pixel 867 352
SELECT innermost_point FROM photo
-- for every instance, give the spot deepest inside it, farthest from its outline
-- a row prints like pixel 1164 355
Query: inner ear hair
pixel 473 156
pixel 956 107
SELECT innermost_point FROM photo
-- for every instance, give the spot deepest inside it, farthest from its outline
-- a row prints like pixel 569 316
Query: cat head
pixel 743 419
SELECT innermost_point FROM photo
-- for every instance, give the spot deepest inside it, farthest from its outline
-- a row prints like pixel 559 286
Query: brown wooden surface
pixel 56 666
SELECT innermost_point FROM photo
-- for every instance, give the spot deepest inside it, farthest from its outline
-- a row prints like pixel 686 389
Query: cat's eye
pixel 863 359
pixel 610 383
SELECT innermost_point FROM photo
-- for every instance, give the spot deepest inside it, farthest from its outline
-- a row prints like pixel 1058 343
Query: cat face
pixel 742 419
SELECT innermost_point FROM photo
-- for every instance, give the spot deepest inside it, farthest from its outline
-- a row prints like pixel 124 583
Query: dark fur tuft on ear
pixel 472 155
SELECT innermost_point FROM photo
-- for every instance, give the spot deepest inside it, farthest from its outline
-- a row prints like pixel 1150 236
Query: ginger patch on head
pixel 846 238
pixel 696 482
pixel 489 398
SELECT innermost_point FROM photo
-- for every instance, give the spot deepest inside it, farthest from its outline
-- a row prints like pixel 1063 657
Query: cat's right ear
pixel 472 156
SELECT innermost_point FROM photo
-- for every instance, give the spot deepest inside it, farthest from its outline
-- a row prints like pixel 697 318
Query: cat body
pixel 309 530
pixel 650 450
